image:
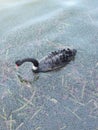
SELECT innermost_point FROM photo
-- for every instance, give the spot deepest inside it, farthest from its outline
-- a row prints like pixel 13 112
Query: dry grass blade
pixel 36 112
pixel 11 123
pixel 73 113
pixel 25 105
pixel 3 117
pixel 83 90
pixel 25 100
pixel 63 128
pixel 38 128
pixel 74 99
pixel 91 19
pixel 20 126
